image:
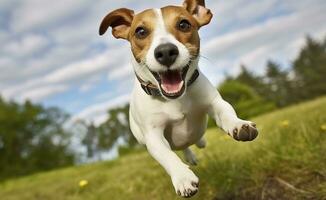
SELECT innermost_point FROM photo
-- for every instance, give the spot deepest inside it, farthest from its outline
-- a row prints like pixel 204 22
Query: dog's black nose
pixel 166 54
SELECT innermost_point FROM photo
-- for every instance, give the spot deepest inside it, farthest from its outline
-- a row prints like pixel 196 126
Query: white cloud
pixel 22 70
pixel 98 113
pixel 89 84
pixel 72 73
pixel 79 69
pixel 27 46
pixel 38 14
pixel 255 44
pixel 55 57
pixel 238 13
pixel 85 68
pixel 121 72
pixel 3 36
pixel 252 56
pixel 4 62
pixel 42 92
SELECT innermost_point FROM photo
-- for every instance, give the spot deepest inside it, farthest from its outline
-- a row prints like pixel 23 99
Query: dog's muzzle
pixel 172 83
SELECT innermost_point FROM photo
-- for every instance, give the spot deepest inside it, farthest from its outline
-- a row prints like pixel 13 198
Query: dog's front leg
pixel 227 119
pixel 184 180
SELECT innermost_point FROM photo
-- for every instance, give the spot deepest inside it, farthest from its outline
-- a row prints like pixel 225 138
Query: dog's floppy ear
pixel 198 10
pixel 120 20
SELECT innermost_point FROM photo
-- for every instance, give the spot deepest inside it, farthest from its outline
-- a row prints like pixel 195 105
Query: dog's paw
pixel 185 183
pixel 244 131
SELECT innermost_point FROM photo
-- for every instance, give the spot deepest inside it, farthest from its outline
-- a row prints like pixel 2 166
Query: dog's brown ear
pixel 198 10
pixel 120 20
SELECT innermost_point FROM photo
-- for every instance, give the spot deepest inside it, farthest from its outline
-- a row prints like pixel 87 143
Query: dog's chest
pixel 186 123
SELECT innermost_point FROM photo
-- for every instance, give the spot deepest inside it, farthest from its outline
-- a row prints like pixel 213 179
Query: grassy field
pixel 286 161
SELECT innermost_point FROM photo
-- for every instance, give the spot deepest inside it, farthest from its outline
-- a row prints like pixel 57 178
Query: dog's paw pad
pixel 235 131
pixel 195 184
pixel 186 185
pixel 186 193
pixel 246 132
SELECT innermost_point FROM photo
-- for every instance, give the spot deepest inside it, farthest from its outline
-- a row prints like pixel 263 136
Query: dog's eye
pixel 141 32
pixel 184 25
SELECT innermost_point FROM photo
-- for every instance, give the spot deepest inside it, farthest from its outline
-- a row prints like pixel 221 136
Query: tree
pixel 32 138
pixel 310 69
pixel 255 82
pixel 115 131
pixel 90 140
pixel 279 86
pixel 244 99
pixel 116 127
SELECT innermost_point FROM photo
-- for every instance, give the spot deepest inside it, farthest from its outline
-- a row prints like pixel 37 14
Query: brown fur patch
pixel 140 47
pixel 119 20
pixel 172 15
pixel 198 10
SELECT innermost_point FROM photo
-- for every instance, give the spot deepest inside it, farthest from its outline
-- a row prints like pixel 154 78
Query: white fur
pixel 167 125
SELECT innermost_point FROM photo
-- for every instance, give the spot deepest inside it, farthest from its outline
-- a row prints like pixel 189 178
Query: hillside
pixel 286 161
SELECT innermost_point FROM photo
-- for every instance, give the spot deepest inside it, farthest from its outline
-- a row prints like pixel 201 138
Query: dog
pixel 171 98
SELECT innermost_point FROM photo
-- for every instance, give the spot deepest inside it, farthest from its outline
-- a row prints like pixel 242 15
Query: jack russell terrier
pixel 171 97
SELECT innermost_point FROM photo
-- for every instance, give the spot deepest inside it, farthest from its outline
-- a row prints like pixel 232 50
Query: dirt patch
pixel 277 188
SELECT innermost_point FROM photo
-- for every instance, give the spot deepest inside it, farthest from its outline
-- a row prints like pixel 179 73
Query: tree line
pixel 279 87
pixel 33 138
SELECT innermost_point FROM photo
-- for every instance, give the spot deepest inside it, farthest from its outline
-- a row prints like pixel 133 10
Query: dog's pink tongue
pixel 171 81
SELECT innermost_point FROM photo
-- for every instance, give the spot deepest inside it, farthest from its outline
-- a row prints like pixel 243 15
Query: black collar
pixel 152 90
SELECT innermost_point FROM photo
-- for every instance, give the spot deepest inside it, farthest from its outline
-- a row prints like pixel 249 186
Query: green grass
pixel 284 162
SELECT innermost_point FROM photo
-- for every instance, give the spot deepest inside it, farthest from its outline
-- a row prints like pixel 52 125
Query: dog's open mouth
pixel 172 82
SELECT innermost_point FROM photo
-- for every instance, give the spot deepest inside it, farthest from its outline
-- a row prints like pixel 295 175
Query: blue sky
pixel 51 52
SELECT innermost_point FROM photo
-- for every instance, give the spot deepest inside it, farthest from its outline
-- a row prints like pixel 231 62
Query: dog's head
pixel 164 42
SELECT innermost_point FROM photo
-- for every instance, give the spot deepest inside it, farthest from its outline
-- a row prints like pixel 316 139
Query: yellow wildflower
pixel 323 127
pixel 83 183
pixel 285 123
